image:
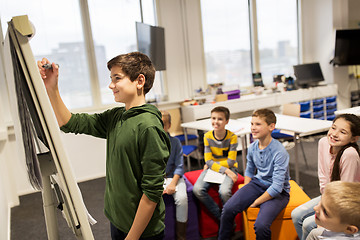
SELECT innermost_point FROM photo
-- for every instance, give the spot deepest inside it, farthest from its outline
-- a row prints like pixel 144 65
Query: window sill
pixel 161 105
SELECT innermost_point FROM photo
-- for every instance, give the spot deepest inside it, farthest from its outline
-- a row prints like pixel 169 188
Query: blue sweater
pixel 272 165
pixel 175 161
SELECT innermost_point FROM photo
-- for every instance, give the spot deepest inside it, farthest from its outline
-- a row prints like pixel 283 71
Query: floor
pixel 27 219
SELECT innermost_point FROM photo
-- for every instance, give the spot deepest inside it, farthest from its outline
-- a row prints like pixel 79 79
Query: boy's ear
pixel 351 229
pixel 272 126
pixel 141 81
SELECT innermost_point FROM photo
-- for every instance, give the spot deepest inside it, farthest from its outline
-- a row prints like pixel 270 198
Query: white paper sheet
pixel 214 177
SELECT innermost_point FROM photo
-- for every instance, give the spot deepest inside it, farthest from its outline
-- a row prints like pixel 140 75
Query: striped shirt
pixel 220 154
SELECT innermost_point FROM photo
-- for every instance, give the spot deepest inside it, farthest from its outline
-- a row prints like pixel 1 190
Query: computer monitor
pixel 151 41
pixel 307 75
pixel 347 47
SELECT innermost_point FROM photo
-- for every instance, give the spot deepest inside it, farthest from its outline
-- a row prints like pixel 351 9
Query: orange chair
pixel 282 228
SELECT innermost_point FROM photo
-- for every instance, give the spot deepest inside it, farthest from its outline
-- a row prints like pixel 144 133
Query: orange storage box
pixel 282 228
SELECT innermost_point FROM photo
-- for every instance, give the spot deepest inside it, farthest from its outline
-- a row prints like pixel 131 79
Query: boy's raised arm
pixel 50 78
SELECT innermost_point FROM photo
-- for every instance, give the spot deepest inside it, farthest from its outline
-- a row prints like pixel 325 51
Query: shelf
pixel 252 102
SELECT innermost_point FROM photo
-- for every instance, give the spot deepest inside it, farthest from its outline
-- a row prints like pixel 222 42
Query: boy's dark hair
pixel 133 64
pixel 354 122
pixel 266 114
pixel 222 109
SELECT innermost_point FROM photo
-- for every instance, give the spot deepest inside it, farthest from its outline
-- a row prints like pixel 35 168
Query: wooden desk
pixel 300 126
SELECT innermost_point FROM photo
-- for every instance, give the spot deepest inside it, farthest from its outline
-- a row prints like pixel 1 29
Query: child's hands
pixel 254 204
pixel 49 76
pixel 170 189
pixel 231 174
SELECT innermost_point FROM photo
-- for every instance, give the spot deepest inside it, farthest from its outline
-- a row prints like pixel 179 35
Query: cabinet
pixel 320 108
pixel 252 102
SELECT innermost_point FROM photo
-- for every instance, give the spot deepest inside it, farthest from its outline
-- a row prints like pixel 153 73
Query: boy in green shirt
pixel 137 146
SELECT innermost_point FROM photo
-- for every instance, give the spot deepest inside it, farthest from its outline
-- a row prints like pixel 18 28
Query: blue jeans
pixel 242 199
pixel 116 234
pixel 201 188
pixel 304 219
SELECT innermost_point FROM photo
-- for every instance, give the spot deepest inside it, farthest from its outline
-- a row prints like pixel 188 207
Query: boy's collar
pixel 327 234
pixel 226 131
pixel 265 143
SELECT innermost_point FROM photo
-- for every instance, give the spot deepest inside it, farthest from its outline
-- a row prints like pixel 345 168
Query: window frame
pixel 91 57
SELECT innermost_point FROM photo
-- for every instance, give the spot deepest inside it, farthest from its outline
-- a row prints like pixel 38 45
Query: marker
pixel 48 66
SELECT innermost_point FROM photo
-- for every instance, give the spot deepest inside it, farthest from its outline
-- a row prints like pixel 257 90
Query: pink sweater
pixel 349 164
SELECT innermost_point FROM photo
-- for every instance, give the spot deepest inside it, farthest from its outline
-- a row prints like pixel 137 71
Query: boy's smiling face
pixel 123 88
pixel 259 128
pixel 218 121
pixel 326 217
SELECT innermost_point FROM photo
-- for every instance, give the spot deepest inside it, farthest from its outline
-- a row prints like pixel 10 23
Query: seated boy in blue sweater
pixel 177 187
pixel 266 179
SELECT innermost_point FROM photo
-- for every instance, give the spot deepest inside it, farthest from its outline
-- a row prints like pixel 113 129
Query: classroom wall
pixel 4 211
pixel 320 19
pixel 184 47
pixel 4 205
pixel 8 165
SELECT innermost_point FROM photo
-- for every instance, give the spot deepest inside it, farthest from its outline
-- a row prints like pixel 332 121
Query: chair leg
pixel 198 158
pixel 188 163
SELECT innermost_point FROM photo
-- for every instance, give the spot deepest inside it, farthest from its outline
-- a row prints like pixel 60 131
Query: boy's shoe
pixel 288 145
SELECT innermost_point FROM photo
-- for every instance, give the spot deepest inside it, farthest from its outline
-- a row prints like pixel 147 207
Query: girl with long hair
pixel 338 159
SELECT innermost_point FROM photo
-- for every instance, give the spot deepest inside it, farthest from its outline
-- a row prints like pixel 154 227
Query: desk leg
pixel 243 152
pixel 297 177
pixel 186 143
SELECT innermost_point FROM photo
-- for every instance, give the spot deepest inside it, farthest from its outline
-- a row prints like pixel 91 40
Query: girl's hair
pixel 344 199
pixel 354 122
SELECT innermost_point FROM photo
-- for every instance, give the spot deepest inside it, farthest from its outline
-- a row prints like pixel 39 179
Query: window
pixel 227 42
pixel 114 33
pixel 277 35
pixel 113 27
pixel 226 38
pixel 59 38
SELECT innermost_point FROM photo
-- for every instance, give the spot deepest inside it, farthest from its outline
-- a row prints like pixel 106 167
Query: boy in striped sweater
pixel 220 156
